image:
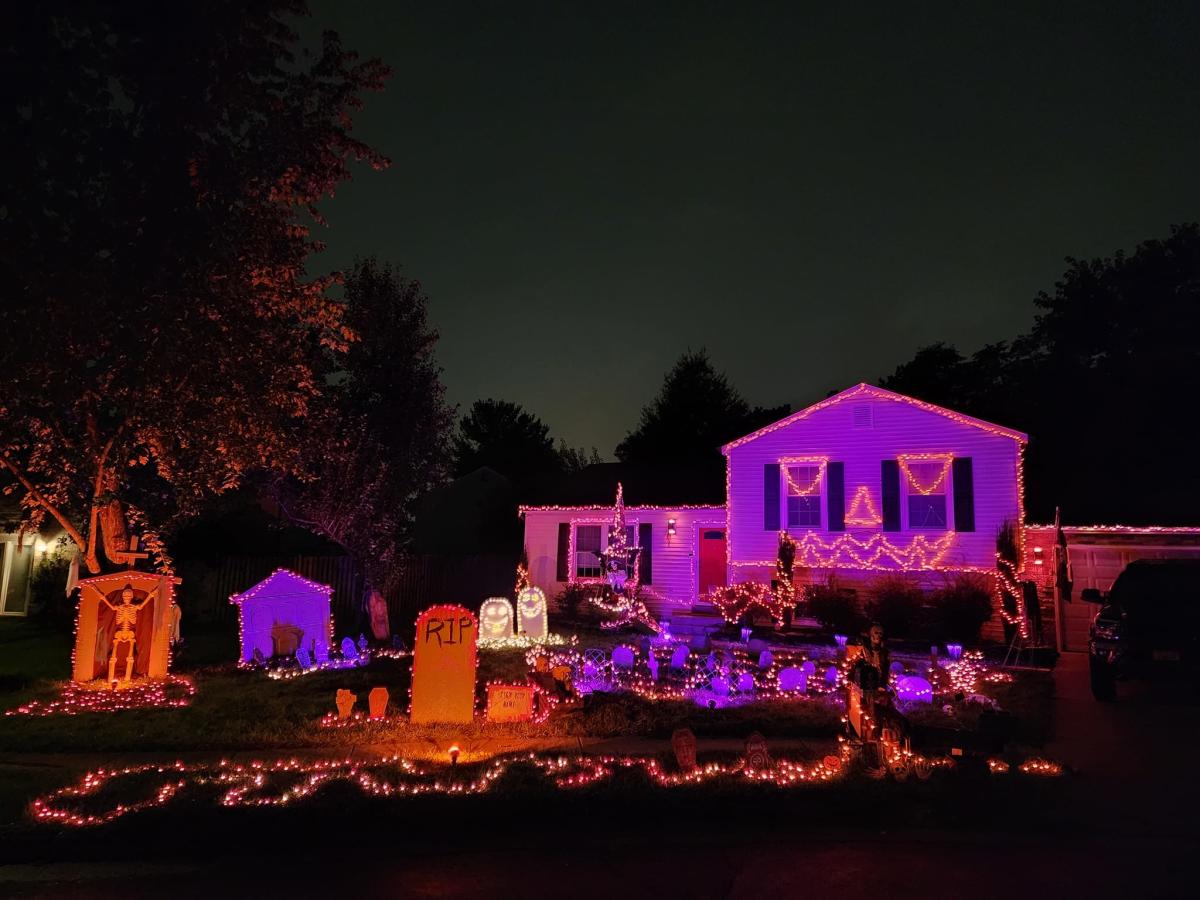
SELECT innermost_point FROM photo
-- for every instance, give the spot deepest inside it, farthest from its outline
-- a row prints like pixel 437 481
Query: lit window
pixel 926 487
pixel 804 495
pixel 587 551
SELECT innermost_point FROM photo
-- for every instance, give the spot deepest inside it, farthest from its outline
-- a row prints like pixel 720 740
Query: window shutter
pixel 835 496
pixel 964 494
pixel 771 497
pixel 889 477
pixel 562 569
pixel 646 556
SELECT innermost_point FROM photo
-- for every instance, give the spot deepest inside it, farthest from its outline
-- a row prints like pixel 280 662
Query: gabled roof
pixel 288 580
pixel 865 391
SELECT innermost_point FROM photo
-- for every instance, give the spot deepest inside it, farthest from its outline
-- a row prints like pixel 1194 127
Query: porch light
pixel 670 528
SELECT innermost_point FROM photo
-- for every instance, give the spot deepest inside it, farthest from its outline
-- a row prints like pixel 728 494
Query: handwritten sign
pixel 444 660
pixel 510 702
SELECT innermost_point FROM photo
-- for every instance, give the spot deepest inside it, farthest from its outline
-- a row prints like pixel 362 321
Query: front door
pixel 712 559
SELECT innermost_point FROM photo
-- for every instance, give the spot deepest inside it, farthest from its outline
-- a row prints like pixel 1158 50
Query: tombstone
pixel 652 665
pixel 683 742
pixel 711 662
pixel 896 668
pixel 362 644
pixel 745 683
pixel 345 701
pixel 259 659
pixel 377 701
pixel 914 689
pixel 720 686
pixel 495 619
pixel 378 611
pixel 766 659
pixel 531 612
pixel 622 658
pixel 321 653
pixel 680 657
pixel 793 679
pixel 809 668
pixel 831 676
pixel 304 659
pixel 444 661
pixel 509 702
pixel 758 758
pixel 349 650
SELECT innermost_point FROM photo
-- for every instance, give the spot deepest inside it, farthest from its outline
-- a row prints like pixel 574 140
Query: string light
pixel 937 486
pixel 173 692
pixel 858 515
pixel 820 463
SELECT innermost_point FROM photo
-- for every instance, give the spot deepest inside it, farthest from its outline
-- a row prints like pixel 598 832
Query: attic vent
pixel 863 417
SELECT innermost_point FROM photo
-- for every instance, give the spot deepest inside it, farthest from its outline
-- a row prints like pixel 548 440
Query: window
pixel 925 482
pixel 587 551
pixel 804 494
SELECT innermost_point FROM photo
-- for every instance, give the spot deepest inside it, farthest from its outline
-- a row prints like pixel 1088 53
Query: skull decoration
pixel 531 612
pixel 495 619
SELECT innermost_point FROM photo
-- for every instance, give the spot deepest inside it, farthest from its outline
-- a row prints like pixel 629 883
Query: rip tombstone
pixel 444 663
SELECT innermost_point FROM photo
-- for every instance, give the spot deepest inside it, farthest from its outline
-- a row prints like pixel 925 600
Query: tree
pixel 505 437
pixel 1103 383
pixel 381 436
pixel 695 413
pixel 576 459
pixel 161 335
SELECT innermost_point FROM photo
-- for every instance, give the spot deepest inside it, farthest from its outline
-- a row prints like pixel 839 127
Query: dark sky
pixel 588 189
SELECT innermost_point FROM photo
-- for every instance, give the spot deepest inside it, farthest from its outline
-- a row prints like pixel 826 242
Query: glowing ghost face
pixel 495 618
pixel 531 612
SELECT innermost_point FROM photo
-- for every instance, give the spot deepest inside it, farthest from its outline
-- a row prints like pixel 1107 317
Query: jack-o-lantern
pixel 495 619
pixel 531 612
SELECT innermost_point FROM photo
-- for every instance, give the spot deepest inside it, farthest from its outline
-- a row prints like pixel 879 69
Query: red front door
pixel 712 559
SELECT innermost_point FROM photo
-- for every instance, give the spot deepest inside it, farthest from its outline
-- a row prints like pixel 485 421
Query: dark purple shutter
pixel 889 476
pixel 964 494
pixel 646 556
pixel 562 568
pixel 835 499
pixel 770 497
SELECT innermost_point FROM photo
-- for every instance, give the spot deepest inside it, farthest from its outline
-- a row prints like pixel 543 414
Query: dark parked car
pixel 1148 624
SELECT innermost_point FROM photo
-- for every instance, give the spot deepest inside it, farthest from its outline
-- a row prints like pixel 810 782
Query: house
pixel 19 556
pixel 866 481
pixel 284 613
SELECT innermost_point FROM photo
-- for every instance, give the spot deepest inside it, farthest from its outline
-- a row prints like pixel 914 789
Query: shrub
pixel 835 608
pixel 961 608
pixel 572 600
pixel 898 604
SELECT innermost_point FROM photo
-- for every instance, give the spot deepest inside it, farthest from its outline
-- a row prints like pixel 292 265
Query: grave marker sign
pixel 510 702
pixel 444 660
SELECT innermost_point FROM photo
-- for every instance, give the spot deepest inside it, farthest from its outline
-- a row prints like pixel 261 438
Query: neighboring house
pixel 18 558
pixel 866 481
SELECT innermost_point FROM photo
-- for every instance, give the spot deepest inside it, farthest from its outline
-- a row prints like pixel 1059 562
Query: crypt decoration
pixel 123 627
pixel 282 613
pixel 444 663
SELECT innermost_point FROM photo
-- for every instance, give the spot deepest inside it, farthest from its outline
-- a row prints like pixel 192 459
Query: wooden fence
pixel 423 581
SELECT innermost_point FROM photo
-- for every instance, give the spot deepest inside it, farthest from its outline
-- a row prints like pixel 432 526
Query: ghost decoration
pixel 531 612
pixel 495 619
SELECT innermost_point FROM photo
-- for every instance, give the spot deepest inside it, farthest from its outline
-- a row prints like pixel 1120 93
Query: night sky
pixel 588 189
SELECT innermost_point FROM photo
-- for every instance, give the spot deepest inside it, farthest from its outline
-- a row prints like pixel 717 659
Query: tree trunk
pixel 114 531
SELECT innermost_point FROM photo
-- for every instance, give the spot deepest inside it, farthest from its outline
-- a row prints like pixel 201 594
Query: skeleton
pixel 126 619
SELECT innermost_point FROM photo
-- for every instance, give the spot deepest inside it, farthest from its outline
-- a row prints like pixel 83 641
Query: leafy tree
pixel 1103 383
pixel 161 334
pixel 696 412
pixel 380 438
pixel 506 437
pixel 576 459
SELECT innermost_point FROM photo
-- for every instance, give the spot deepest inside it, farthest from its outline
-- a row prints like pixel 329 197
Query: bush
pixel 961 608
pixel 898 604
pixel 836 609
pixel 572 600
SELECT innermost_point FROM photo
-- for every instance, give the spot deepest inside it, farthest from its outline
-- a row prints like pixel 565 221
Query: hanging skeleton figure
pixel 126 620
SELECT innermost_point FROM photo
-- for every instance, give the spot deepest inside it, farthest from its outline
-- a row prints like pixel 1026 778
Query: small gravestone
pixel 531 612
pixel 766 659
pixel 683 742
pixel 349 649
pixel 831 676
pixel 809 668
pixel 622 658
pixel 362 645
pixel 304 659
pixel 680 657
pixel 652 665
pixel 321 653
pixel 745 683
pixel 720 686
pixel 711 662
pixel 444 663
pixel 792 679
pixel 377 701
pixel 758 758
pixel 345 700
